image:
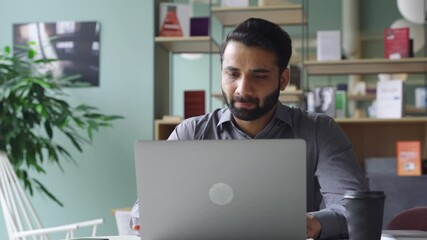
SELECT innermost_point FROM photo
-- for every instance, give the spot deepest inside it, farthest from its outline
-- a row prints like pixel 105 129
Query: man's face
pixel 250 80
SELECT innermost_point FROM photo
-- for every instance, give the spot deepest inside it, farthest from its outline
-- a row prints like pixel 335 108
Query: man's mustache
pixel 245 99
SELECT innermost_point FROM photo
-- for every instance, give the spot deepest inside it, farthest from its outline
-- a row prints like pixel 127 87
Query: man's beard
pixel 255 113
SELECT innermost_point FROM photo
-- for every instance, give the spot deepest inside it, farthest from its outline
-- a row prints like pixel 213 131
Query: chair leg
pixel 94 230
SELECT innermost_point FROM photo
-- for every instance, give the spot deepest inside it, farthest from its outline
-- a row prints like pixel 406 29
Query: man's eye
pixel 260 76
pixel 233 74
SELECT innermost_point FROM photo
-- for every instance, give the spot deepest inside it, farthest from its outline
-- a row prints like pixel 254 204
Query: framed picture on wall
pixel 75 44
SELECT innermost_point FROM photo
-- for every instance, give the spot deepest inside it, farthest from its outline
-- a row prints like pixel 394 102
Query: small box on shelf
pixel 389 99
pixel 325 101
pixel 199 26
pixel 396 43
pixel 409 158
pixel 328 45
pixel 421 97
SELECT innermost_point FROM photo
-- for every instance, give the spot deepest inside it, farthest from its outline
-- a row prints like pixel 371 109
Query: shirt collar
pixel 283 113
pixel 225 117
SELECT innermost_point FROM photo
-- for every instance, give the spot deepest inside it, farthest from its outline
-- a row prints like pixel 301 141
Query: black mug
pixel 364 213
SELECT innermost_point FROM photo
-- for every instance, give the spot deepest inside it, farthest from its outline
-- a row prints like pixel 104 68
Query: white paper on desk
pixel 403 235
pixel 390 99
pixel 328 45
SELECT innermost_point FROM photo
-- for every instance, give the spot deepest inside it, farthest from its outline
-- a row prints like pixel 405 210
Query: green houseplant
pixel 33 110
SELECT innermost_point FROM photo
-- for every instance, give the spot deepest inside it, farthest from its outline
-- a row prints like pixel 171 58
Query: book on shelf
pixel 389 99
pixel 328 45
pixel 409 158
pixel 174 20
pixel 324 100
pixel 397 43
pixel 194 103
pixel 341 103
pixel 421 97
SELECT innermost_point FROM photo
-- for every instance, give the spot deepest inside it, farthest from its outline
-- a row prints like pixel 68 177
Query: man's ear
pixel 284 79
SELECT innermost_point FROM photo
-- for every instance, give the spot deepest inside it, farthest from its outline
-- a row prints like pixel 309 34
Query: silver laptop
pixel 222 189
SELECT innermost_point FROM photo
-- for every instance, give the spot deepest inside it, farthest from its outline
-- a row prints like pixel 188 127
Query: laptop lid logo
pixel 221 194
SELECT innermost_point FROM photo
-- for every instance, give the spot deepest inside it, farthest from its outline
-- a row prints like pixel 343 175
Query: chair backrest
pixel 19 215
pixel 410 219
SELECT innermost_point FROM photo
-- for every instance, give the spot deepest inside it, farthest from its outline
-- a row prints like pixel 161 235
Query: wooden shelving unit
pixel 366 66
pixel 370 137
pixel 188 44
pixel 287 14
pixel 378 137
pixel 164 127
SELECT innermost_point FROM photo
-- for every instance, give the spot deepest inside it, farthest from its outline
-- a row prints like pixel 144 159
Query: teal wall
pixel 105 177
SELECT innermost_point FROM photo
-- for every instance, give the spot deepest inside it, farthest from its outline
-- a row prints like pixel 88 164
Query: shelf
pixel 283 15
pixel 366 66
pixel 287 97
pixel 366 97
pixel 291 96
pixel 415 110
pixel 188 44
pixel 404 120
pixel 377 137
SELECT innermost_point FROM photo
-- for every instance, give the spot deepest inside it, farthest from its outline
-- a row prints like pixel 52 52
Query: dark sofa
pixel 402 192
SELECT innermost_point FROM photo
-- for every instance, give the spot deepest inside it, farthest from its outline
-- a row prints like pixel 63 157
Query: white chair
pixel 21 220
pixel 123 221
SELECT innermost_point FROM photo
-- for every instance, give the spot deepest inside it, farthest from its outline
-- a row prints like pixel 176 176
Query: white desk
pixel 403 234
pixel 109 238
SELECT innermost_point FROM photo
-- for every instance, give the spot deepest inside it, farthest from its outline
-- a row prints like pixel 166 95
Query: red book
pixel 194 103
pixel 396 43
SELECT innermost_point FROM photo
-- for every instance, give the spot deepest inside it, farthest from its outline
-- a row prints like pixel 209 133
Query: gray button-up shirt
pixel 331 165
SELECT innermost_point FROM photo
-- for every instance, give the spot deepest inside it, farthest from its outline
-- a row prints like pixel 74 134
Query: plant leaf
pixel 74 141
pixel 48 129
pixel 7 50
pixel 31 53
pixel 45 191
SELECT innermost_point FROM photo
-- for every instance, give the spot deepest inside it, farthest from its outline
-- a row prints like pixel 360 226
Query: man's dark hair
pixel 256 32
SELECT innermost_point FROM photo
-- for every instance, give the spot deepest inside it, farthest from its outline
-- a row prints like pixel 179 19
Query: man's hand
pixel 313 227
pixel 136 228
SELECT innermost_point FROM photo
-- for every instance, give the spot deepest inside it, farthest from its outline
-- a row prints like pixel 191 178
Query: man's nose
pixel 245 86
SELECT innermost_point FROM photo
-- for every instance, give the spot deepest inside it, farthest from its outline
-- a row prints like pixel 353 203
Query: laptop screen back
pixel 222 189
